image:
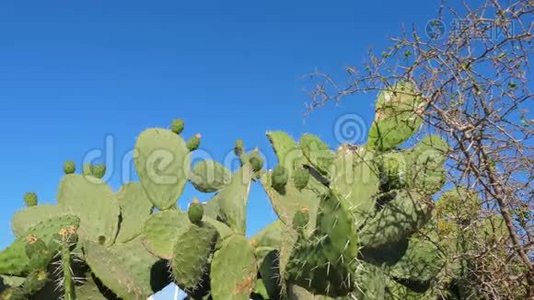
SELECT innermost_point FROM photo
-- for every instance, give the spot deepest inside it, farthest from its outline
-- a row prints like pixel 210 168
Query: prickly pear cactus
pixel 350 221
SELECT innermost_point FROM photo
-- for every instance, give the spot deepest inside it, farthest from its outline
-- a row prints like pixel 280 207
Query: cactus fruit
pixel 98 170
pixel 239 147
pixel 177 126
pixel 69 167
pixel 194 142
pixel 30 199
pixel 256 161
pixel 279 178
pixel 301 177
pixel 195 212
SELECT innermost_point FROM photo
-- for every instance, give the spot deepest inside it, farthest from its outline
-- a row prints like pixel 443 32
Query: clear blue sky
pixel 74 72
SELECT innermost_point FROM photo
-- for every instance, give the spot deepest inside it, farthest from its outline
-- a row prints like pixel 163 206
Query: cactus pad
pixel 233 269
pixel 162 162
pixel 135 210
pixel 94 203
pixel 209 176
pixel 161 232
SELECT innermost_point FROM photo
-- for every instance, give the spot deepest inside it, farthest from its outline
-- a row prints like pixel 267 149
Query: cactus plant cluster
pixel 349 221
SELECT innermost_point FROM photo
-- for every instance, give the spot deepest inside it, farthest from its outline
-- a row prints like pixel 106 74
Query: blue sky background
pixel 74 72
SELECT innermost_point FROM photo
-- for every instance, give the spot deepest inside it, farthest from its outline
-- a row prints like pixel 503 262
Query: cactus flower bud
pixel 177 126
pixel 30 199
pixel 69 167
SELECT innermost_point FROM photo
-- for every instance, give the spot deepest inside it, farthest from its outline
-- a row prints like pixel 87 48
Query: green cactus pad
pixel 127 269
pixel 30 199
pixel 233 269
pixel 336 229
pixel 317 152
pixel 135 210
pixel 162 162
pixel 233 199
pixel 35 281
pixel 31 216
pixel 286 149
pixel 37 251
pixel 177 126
pixel 311 268
pixel 209 176
pixel 355 181
pixel 89 290
pixel 195 212
pixel 270 274
pixel 13 259
pixel 400 217
pixel 94 203
pixel 418 266
pixel 293 200
pixel 190 260
pixel 397 116
pixel 426 172
pixel 161 232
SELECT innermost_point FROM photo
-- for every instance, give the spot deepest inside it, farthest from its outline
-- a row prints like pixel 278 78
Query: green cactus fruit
pixel 301 219
pixel 177 126
pixel 301 177
pixel 69 167
pixel 209 176
pixel 279 178
pixel 30 199
pixel 317 152
pixel 98 170
pixel 256 161
pixel 239 147
pixel 195 212
pixel 194 142
pixel 162 161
